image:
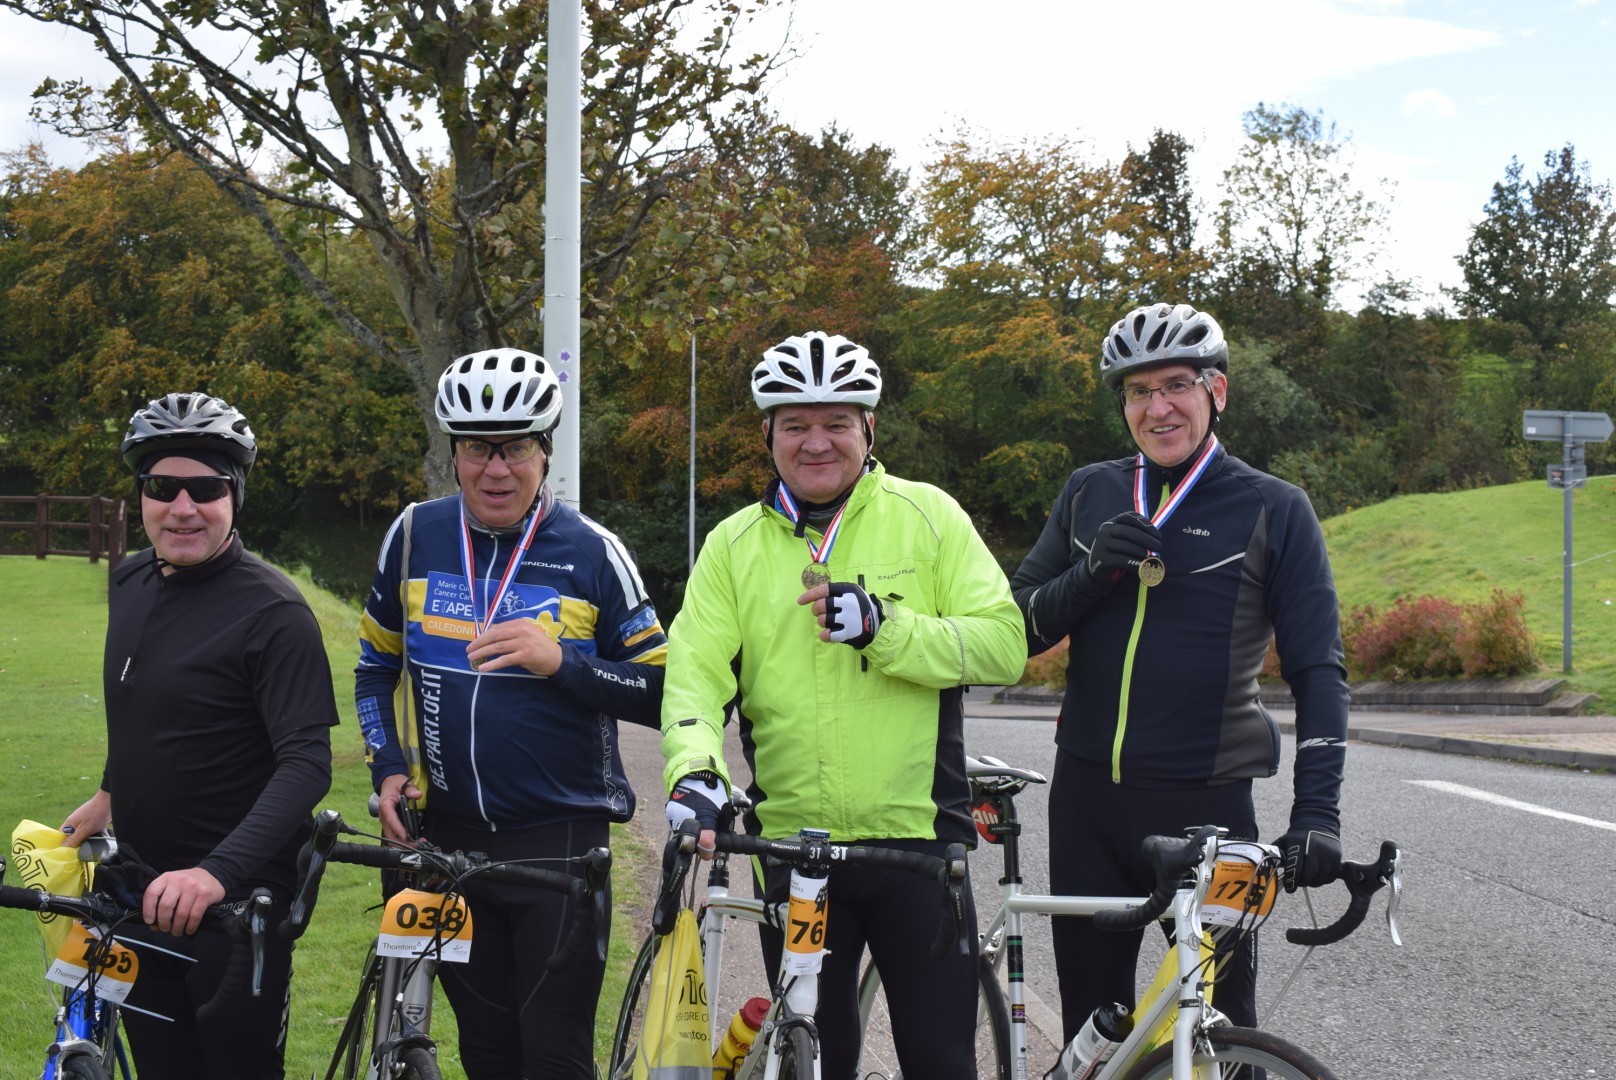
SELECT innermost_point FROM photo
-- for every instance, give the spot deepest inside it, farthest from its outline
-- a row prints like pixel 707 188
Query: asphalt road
pixel 1508 916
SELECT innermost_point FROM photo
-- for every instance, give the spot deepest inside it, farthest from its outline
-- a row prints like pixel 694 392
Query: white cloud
pixel 1429 102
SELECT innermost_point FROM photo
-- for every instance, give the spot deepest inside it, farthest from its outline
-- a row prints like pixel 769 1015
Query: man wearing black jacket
pixel 1170 572
pixel 219 708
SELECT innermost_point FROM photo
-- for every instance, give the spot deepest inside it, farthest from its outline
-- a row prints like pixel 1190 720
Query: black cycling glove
pixel 1312 857
pixel 1120 545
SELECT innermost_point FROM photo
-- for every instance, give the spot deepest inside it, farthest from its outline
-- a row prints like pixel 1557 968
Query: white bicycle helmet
pixel 1160 334
pixel 498 392
pixel 816 369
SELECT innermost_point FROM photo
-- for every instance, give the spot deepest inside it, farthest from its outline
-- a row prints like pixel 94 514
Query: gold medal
pixel 815 575
pixel 1152 572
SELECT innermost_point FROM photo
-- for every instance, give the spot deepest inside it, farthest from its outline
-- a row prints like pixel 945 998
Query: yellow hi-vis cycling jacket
pixel 868 744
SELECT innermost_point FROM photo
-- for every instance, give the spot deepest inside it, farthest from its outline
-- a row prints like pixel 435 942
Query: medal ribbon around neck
pixel 819 553
pixel 1166 509
pixel 477 621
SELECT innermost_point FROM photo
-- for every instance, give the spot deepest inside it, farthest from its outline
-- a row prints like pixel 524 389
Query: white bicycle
pixel 787 1044
pixel 1205 882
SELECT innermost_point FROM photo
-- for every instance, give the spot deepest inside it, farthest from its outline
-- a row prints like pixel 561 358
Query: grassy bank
pixel 1463 545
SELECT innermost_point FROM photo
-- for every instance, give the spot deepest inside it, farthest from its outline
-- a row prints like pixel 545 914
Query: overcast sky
pixel 1436 95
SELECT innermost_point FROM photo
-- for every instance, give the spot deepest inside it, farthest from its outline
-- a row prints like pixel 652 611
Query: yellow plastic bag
pixel 39 861
pixel 677 1041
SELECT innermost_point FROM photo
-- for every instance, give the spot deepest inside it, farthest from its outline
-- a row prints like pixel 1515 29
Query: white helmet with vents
pixel 1160 334
pixel 816 369
pixel 498 392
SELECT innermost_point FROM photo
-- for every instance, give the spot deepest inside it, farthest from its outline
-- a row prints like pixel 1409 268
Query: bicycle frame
pixel 797 1004
pixel 87 1021
pixel 1187 870
pixel 1002 939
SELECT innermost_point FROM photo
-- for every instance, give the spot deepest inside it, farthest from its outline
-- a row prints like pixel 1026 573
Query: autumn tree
pixel 1159 180
pixel 1543 256
pixel 1294 219
pixel 340 115
pixel 1030 222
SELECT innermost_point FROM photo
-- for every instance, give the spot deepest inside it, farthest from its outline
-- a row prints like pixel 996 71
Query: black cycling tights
pixel 1095 829
pixel 516 1019
pixel 932 1003
pixel 243 1037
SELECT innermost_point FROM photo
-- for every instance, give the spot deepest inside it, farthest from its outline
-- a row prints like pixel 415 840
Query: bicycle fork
pixel 404 1008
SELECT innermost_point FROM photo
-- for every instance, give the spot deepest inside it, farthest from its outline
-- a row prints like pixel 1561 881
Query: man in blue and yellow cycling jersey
pixel 1171 571
pixel 528 636
pixel 854 607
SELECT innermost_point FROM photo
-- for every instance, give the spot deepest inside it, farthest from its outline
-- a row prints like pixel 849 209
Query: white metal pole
pixel 563 196
pixel 692 563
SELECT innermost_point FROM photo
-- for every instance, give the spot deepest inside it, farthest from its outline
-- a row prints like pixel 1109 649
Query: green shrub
pixel 1047 668
pixel 1495 641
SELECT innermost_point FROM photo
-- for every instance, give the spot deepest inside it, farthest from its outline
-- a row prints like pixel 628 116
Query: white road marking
pixel 1513 804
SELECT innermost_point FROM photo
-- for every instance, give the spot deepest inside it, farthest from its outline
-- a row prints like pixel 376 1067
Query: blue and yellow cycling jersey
pixel 509 748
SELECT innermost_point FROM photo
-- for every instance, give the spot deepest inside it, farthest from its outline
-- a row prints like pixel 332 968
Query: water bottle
pixel 738 1039
pixel 1092 1047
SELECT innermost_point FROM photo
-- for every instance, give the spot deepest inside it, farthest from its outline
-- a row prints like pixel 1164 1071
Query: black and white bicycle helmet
pixel 190 423
pixel 816 369
pixel 498 392
pixel 1160 334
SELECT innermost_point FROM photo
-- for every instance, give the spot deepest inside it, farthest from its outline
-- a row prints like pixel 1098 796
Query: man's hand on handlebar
pixel 393 826
pixel 699 796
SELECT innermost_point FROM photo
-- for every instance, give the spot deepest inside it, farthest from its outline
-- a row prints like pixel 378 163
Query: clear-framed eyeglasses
pixel 1175 390
pixel 514 451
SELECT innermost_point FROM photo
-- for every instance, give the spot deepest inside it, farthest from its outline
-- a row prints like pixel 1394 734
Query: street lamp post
pixel 692 563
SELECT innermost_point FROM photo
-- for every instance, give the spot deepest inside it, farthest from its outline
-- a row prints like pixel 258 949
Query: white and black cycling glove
pixel 851 615
pixel 697 795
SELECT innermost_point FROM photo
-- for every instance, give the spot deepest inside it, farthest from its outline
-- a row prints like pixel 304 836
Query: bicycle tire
pixel 796 1054
pixel 351 1059
pixel 992 1028
pixel 82 1065
pixel 630 1027
pixel 419 1063
pixel 1236 1051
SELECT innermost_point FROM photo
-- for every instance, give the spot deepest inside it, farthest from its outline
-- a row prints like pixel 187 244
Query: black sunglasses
pixel 201 489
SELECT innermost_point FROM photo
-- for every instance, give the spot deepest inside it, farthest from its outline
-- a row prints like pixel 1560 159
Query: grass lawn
pixel 51 751
pixel 1463 545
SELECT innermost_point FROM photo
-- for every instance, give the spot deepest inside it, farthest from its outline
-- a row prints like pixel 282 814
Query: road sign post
pixel 1571 430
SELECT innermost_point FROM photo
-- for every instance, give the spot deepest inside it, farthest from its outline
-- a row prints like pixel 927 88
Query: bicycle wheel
pixel 419 1063
pixel 797 1055
pixel 351 1059
pixel 1236 1054
pixel 877 1056
pixel 631 1013
pixel 81 1065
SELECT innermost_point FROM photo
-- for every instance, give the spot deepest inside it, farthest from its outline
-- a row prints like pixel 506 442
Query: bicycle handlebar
pixel 1363 881
pixel 1176 857
pixel 586 895
pixel 243 921
pixel 949 871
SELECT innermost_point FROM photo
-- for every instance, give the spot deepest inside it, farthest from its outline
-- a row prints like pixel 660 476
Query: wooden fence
pixel 107 527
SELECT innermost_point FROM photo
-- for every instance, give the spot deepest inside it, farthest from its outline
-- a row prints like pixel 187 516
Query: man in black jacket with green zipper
pixel 1170 571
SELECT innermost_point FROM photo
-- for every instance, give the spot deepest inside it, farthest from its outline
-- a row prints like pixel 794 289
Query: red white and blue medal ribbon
pixel 479 624
pixel 1171 503
pixel 818 570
